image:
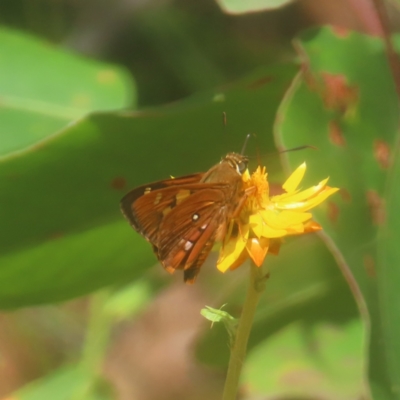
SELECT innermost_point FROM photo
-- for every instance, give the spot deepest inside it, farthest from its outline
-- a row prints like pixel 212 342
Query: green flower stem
pixel 238 350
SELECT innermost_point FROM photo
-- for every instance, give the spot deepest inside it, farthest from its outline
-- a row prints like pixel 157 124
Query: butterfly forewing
pixel 145 206
pixel 183 217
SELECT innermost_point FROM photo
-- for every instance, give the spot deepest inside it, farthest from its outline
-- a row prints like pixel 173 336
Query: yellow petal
pixel 297 229
pixel 268 232
pixel 283 219
pixel 312 226
pixel 258 249
pixel 319 198
pixel 239 261
pixel 298 197
pixel 262 229
pixel 314 201
pixel 232 250
pixel 256 224
pixel 295 178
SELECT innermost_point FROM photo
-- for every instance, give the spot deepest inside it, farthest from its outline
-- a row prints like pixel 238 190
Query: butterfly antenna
pixel 245 143
pixel 224 129
pixel 299 148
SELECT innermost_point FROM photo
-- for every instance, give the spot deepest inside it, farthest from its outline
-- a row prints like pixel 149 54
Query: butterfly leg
pixel 236 214
pixel 242 201
pixel 231 229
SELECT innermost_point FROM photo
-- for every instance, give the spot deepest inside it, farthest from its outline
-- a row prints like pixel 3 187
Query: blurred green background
pixel 100 96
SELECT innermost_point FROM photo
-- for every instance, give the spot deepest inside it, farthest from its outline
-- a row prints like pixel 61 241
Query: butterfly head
pixel 237 161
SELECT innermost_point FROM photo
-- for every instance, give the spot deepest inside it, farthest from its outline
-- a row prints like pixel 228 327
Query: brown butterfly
pixel 183 217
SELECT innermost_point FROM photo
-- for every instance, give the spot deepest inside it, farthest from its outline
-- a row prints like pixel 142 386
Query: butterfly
pixel 183 217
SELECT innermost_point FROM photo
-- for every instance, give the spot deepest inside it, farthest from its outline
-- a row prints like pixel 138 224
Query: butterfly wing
pixel 188 232
pixel 181 220
pixel 146 206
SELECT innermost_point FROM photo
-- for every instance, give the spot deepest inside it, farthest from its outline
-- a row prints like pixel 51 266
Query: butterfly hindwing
pixel 191 233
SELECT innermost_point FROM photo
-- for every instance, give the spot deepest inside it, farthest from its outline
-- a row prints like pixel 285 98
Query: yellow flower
pixel 265 220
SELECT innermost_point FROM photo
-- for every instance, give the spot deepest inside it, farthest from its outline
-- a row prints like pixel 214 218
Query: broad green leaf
pixel 61 223
pixel 388 261
pixel 44 88
pixel 321 360
pixel 241 7
pixel 66 383
pixel 345 104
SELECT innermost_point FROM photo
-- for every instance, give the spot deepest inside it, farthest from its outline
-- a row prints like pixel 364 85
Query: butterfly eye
pixel 241 167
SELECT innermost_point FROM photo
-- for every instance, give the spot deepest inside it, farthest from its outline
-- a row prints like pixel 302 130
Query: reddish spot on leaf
pixel 376 207
pixel 118 183
pixel 345 194
pixel 338 95
pixel 336 134
pixel 333 211
pixel 308 76
pixel 56 235
pixel 14 176
pixel 369 265
pixel 259 82
pixel 340 31
pixel 382 153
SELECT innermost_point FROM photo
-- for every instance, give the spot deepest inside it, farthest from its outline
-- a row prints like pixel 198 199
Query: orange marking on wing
pixel 182 195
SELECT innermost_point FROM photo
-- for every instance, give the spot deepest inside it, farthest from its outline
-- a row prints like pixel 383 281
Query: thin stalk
pixel 238 351
pixel 391 54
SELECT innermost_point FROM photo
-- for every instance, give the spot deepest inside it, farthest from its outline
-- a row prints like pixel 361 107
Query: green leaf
pixel 44 88
pixel 66 383
pixel 387 261
pixel 345 104
pixel 248 6
pixel 61 223
pixel 217 315
pixel 321 360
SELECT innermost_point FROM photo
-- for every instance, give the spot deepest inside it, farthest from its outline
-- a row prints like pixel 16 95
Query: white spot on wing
pixel 195 217
pixel 188 245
